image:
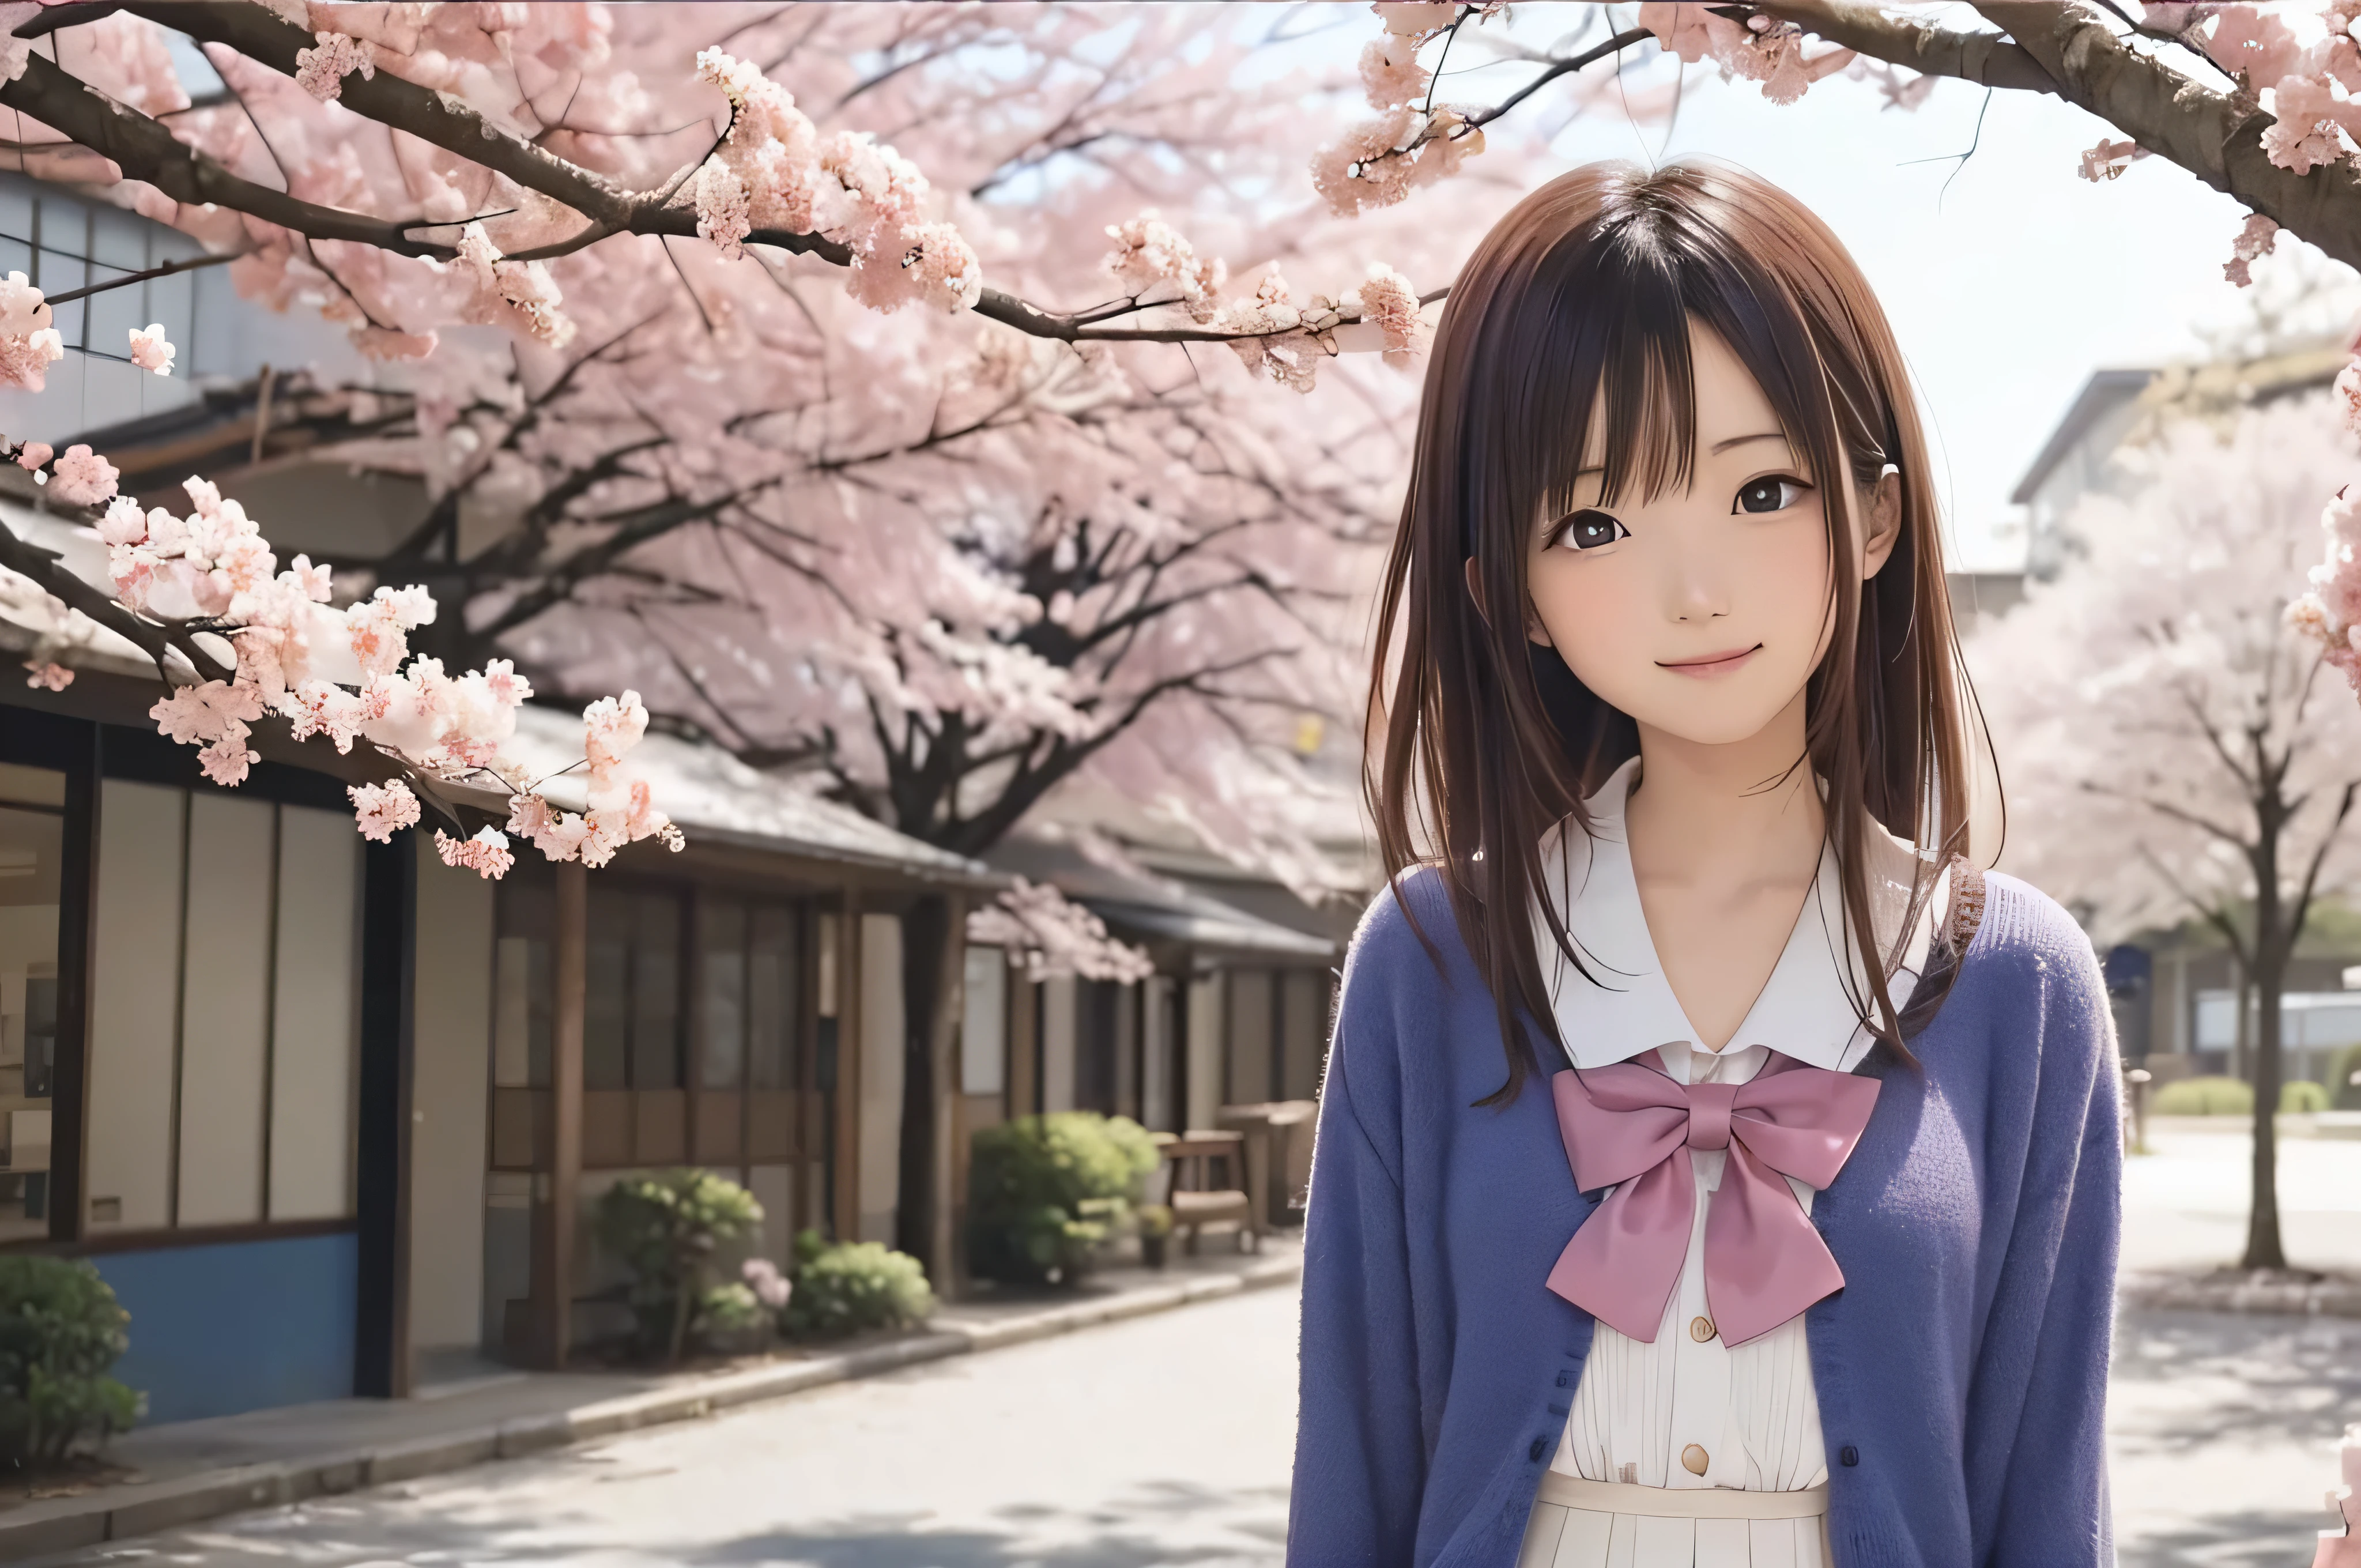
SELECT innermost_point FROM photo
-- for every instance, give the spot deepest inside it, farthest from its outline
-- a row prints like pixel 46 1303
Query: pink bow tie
pixel 1632 1124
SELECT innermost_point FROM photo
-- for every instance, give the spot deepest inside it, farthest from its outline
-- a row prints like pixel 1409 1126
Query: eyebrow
pixel 1717 448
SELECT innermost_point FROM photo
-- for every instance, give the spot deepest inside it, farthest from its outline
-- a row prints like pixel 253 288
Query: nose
pixel 1700 590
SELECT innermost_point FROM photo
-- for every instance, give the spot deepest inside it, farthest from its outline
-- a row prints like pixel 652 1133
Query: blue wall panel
pixel 216 1329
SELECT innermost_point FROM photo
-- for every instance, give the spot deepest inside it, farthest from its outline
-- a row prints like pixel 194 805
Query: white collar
pixel 1804 1009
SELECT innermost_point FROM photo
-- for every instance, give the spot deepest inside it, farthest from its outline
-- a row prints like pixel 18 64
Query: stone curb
pixel 2180 1292
pixel 66 1524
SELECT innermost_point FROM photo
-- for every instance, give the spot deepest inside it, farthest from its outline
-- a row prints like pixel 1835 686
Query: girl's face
pixel 1701 613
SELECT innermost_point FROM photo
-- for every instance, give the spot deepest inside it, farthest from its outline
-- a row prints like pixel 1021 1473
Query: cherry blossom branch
pixel 145 148
pixel 2067 49
pixel 166 270
pixel 1565 66
pixel 46 570
pixel 1988 59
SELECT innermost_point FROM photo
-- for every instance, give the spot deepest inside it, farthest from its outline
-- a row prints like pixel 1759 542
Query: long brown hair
pixel 1584 291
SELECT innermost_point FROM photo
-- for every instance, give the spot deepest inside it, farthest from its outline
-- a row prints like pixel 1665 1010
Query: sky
pixel 2008 277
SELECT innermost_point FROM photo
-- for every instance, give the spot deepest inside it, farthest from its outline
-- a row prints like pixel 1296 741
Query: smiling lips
pixel 1721 664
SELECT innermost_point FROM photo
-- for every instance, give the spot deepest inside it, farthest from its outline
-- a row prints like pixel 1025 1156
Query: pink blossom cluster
pixel 2110 159
pixel 1387 301
pixel 619 809
pixel 2255 238
pixel 2331 613
pixel 83 479
pixel 2313 83
pixel 321 71
pixel 150 350
pixel 214 564
pixel 48 676
pixel 1277 339
pixel 519 295
pixel 29 344
pixel 776 171
pixel 770 1287
pixel 1758 50
pixel 13 51
pixel 349 676
pixel 1379 161
pixel 487 854
pixel 1049 935
pixel 383 809
pixel 1148 251
pixel 216 717
pixel 2342 1548
pixel 1287 343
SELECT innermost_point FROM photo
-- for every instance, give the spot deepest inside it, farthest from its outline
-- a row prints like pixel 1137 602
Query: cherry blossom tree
pixel 767 421
pixel 2169 724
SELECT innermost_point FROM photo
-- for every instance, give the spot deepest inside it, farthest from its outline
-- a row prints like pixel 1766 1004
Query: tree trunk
pixel 931 970
pixel 2273 945
pixel 2242 1027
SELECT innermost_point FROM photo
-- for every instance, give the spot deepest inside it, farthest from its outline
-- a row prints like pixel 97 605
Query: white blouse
pixel 1687 1410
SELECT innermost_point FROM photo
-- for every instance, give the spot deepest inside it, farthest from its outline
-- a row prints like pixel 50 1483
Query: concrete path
pixel 1156 1441
pixel 1166 1440
pixel 2185 1204
pixel 193 1470
pixel 2223 1429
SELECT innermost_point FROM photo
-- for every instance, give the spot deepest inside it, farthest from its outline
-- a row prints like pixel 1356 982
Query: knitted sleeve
pixel 1360 1455
pixel 2041 1370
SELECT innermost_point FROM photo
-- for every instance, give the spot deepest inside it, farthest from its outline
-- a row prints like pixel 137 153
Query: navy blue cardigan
pixel 1961 1371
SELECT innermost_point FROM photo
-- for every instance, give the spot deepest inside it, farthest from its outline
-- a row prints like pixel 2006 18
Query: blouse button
pixel 1693 1458
pixel 1700 1329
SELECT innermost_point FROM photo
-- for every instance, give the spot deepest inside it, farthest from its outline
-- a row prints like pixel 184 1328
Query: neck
pixel 1737 812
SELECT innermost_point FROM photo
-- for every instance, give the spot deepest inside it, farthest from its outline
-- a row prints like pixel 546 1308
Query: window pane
pixel 224 1009
pixel 723 933
pixel 606 1001
pixel 773 1013
pixel 29 846
pixel 983 1028
pixel 314 1041
pixel 523 993
pixel 136 945
pixel 59 273
pixel 655 993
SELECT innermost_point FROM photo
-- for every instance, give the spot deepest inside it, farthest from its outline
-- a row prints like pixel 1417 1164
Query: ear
pixel 1533 627
pixel 1882 521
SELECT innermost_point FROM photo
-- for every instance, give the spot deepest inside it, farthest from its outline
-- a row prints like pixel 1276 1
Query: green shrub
pixel 60 1330
pixel 2300 1096
pixel 1156 1221
pixel 2231 1097
pixel 666 1229
pixel 843 1287
pixel 1043 1191
pixel 2204 1097
pixel 2342 1092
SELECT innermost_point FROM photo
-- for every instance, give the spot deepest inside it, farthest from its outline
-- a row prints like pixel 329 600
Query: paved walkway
pixel 2185 1204
pixel 199 1470
pixel 1165 1438
pixel 2221 1435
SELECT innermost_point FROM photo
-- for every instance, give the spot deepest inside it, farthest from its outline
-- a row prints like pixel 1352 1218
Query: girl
pixel 1658 1217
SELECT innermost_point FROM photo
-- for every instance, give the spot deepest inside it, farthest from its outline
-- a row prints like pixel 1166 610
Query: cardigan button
pixel 1535 1452
pixel 1848 1455
pixel 1701 1329
pixel 1694 1460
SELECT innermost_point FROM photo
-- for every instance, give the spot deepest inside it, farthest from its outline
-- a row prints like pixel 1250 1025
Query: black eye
pixel 1775 493
pixel 1590 528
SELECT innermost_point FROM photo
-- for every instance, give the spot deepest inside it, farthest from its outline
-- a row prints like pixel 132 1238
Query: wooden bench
pixel 1196 1203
